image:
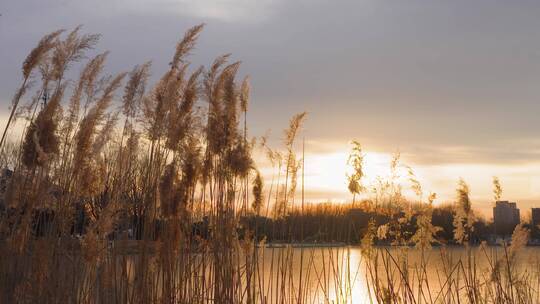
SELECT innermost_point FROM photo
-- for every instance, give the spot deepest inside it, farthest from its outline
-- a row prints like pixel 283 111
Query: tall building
pixel 535 217
pixel 505 217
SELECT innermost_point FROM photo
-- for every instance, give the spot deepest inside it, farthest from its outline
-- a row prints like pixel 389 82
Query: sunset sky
pixel 453 85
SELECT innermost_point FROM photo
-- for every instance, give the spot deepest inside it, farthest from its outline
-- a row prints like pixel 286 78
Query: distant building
pixel 505 217
pixel 535 217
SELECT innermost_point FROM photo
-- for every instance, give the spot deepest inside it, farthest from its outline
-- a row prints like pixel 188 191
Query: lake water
pixel 342 274
pixel 347 275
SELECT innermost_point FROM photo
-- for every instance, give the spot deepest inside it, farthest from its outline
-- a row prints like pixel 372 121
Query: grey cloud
pixel 496 155
pixel 393 74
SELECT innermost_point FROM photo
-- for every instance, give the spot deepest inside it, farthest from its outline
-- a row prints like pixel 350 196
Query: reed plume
pixel 181 114
pixel 426 232
pixel 135 89
pixel 46 44
pixel 257 193
pixel 85 85
pixel 186 45
pixel 497 189
pixel 33 60
pixel 41 141
pixel 70 50
pixel 464 216
pixel 244 94
pixel 356 161
pixel 87 130
pixel 294 125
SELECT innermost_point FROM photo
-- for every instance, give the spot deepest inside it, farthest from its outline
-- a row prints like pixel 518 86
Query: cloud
pixel 446 83
pixel 223 10
pixel 229 10
pixel 506 152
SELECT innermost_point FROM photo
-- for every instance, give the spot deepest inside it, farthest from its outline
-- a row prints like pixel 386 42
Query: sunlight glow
pixel 326 177
pixel 329 171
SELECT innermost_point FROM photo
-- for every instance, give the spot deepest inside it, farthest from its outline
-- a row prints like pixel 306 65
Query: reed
pixel 152 210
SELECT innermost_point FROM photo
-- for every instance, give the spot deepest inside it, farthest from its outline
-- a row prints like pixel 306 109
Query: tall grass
pixel 125 192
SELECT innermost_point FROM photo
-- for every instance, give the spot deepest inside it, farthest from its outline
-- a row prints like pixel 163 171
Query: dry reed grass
pixel 100 216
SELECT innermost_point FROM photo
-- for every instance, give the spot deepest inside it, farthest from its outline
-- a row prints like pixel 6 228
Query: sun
pixel 326 173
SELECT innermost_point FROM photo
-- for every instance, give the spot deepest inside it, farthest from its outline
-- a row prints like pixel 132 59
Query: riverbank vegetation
pixel 104 159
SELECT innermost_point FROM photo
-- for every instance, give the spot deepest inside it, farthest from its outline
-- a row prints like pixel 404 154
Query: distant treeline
pixel 328 223
pixel 320 223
